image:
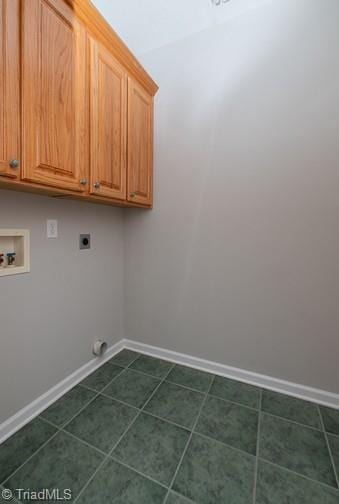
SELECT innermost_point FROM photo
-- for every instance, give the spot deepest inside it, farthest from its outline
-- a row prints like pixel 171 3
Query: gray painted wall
pixel 50 317
pixel 238 262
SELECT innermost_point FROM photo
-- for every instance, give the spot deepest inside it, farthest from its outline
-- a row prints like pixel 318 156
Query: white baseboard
pixel 25 415
pixel 289 388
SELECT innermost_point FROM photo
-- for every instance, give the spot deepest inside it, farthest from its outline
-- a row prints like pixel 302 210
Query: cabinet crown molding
pixel 102 31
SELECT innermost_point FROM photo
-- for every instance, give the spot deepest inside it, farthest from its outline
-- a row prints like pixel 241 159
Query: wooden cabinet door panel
pixel 9 87
pixel 140 144
pixel 54 95
pixel 108 96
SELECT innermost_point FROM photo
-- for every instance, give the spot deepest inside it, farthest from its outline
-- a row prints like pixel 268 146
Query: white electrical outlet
pixel 52 228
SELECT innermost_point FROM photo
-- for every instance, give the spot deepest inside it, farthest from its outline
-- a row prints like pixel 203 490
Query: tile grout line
pixel 217 441
pixel 59 428
pixel 136 358
pixel 67 422
pixel 148 413
pixel 109 455
pixel 50 423
pixel 97 393
pixel 120 401
pixel 257 452
pixel 82 440
pixel 171 421
pixel 251 407
pixel 263 412
pixel 300 475
pixel 159 380
pixel 137 471
pixel 187 387
pixel 233 402
pixel 64 424
pixel 84 406
pixel 329 448
pixel 170 381
pixel 123 368
pixel 30 457
pixel 188 441
pixel 80 384
pixel 89 481
pixel 102 392
pixel 166 420
pixel 186 498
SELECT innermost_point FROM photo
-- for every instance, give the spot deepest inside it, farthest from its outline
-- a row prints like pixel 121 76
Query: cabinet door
pixel 54 95
pixel 9 88
pixel 108 96
pixel 140 144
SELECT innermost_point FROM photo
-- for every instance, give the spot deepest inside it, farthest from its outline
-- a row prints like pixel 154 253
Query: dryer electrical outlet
pixel 85 241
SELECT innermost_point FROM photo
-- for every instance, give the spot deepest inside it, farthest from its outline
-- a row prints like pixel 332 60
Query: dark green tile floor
pixel 141 430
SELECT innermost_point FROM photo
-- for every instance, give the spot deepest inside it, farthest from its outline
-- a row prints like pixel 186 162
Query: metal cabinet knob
pixel 14 164
pixel 83 181
pixel 97 185
pixel 133 194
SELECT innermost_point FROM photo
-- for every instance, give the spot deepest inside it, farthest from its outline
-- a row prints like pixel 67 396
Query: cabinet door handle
pixel 83 181
pixel 97 185
pixel 133 194
pixel 14 163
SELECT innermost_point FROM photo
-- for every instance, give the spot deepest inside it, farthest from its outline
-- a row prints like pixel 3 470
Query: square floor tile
pixel 153 447
pixel 101 377
pixel 212 473
pixel 115 483
pixel 174 498
pixel 63 463
pixel 334 445
pixel 152 366
pixel 235 391
pixel 132 387
pixel 331 419
pixel 298 448
pixel 124 358
pixel 278 486
pixel 229 423
pixel 189 377
pixel 22 445
pixel 291 408
pixel 177 404
pixel 68 405
pixel 102 422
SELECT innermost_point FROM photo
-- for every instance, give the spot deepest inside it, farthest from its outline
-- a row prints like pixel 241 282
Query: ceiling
pixel 148 24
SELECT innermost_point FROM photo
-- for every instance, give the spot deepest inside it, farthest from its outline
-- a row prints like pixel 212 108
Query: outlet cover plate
pixel 52 228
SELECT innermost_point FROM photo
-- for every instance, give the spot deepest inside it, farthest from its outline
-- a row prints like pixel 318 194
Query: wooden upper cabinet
pixel 55 110
pixel 76 107
pixel 9 88
pixel 139 145
pixel 108 113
